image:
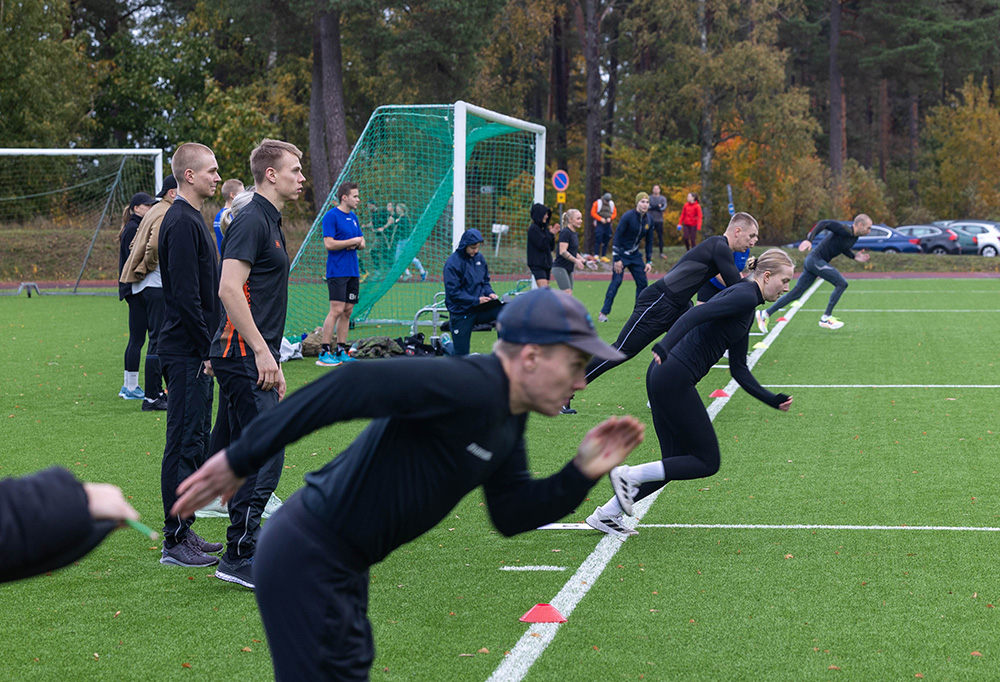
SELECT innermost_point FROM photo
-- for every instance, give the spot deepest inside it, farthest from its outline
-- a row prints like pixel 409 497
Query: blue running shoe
pixel 136 394
pixel 327 359
pixel 344 356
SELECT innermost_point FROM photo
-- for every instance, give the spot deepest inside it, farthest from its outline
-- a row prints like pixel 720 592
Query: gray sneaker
pixel 238 571
pixel 200 543
pixel 184 554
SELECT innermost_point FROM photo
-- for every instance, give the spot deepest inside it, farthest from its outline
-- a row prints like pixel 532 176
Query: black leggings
pixel 653 316
pixel 145 315
pixel 688 445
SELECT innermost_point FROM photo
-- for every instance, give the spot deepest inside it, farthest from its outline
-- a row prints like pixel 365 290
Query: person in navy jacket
pixel 467 292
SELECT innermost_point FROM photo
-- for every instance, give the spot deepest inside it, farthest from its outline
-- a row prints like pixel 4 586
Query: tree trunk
pixel 612 92
pixel 587 27
pixel 559 91
pixel 836 96
pixel 884 128
pixel 707 133
pixel 337 149
pixel 319 164
pixel 914 147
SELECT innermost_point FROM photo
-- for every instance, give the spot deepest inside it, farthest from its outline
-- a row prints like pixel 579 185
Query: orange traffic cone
pixel 543 613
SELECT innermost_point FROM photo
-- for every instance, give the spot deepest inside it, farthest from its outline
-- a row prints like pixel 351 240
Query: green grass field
pixel 891 430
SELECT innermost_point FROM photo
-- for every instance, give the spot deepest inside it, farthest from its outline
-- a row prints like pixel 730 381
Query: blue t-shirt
pixel 218 229
pixel 341 226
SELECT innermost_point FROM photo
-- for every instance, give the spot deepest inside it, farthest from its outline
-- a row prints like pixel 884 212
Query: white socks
pixel 131 380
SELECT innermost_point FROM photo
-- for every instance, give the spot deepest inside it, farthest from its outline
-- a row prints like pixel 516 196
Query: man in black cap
pixel 421 456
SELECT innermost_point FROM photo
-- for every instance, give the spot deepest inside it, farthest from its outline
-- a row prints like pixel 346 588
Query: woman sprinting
pixel 697 340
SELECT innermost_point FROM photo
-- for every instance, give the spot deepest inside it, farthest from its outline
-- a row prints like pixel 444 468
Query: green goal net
pixel 426 174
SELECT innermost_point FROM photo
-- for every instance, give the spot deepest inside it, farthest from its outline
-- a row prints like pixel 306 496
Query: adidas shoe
pixel 238 571
pixel 762 319
pixel 135 394
pixel 328 359
pixel 273 504
pixel 612 525
pixel 831 323
pixel 624 486
pixel 213 510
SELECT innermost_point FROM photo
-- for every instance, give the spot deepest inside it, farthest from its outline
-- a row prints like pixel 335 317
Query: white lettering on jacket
pixel 480 452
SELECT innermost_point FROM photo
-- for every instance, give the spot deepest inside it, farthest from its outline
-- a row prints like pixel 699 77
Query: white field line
pixel 881 385
pixel 899 310
pixel 810 526
pixel 538 636
pixel 533 568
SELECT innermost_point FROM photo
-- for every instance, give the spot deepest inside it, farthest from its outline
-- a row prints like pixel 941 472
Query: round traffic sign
pixel 560 180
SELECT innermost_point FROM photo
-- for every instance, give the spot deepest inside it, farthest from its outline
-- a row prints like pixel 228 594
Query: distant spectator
pixel 230 188
pixel 657 205
pixel 603 212
pixel 568 249
pixel 142 271
pixel 403 231
pixel 139 323
pixel 690 221
pixel 541 242
pixel 632 229
pixel 468 295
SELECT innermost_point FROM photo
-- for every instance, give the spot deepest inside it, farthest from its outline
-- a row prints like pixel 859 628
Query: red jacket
pixel 691 214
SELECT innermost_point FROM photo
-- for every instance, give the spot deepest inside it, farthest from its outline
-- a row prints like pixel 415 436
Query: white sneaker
pixel 762 320
pixel 273 504
pixel 213 510
pixel 601 317
pixel 625 487
pixel 612 525
pixel 831 323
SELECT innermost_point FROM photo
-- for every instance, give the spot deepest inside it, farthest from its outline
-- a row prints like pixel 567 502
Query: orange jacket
pixel 597 216
pixel 691 214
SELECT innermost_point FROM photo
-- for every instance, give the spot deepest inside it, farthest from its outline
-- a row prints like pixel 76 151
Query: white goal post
pixel 462 111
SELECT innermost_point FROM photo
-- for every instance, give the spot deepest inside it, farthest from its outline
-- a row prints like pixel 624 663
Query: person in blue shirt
pixel 230 188
pixel 632 229
pixel 342 238
pixel 467 292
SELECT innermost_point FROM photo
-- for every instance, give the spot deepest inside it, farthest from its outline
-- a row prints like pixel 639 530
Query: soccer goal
pixel 63 208
pixel 426 173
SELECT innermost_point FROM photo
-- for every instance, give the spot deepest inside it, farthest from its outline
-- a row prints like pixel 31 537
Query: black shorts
pixel 344 289
pixel 540 273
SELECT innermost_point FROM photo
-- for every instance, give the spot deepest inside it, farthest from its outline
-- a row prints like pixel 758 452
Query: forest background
pixel 806 108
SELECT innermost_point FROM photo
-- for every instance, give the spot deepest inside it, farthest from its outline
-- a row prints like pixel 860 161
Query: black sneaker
pixel 200 543
pixel 566 409
pixel 236 571
pixel 183 554
pixel 158 405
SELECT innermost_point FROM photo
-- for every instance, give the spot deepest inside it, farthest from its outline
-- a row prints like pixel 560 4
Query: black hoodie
pixel 541 241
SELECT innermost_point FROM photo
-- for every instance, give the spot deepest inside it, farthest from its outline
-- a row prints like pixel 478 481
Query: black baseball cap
pixel 141 199
pixel 547 317
pixel 169 183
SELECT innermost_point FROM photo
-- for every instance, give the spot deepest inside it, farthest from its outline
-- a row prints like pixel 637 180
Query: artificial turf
pixel 674 603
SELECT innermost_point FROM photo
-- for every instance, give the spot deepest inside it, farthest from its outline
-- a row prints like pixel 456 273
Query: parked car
pixel 881 238
pixel 989 244
pixel 980 229
pixel 939 240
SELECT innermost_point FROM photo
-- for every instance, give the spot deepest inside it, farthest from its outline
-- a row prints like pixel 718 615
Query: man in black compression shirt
pixel 839 241
pixel 689 447
pixel 407 470
pixel 660 304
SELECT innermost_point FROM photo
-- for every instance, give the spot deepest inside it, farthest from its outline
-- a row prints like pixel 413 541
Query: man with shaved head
pixel 190 272
pixel 839 241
